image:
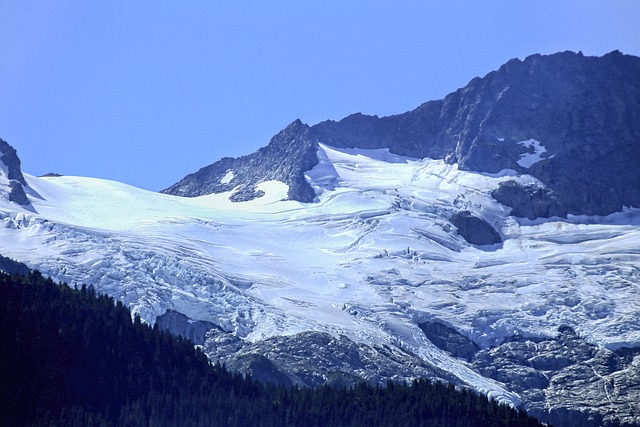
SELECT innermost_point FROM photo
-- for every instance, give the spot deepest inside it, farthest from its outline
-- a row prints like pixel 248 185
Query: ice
pixel 529 159
pixel 373 256
pixel 227 177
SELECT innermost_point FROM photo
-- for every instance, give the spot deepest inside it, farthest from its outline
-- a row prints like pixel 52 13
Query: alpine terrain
pixel 490 239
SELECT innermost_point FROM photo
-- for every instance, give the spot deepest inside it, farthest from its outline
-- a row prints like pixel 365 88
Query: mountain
pixel 395 266
pixel 566 119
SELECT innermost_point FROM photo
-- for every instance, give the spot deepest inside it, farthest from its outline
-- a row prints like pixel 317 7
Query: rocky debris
pixel 179 324
pixel 566 381
pixel 475 230
pixel 569 120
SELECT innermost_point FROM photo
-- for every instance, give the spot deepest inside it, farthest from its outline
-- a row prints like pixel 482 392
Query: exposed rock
pixel 449 340
pixel 261 369
pixel 583 111
pixel 9 157
pixel 316 358
pixel 17 194
pixel 529 201
pixel 581 114
pixel 10 167
pixel 475 230
pixel 567 381
pixel 179 324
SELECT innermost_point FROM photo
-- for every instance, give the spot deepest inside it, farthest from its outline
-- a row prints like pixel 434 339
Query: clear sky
pixel 147 91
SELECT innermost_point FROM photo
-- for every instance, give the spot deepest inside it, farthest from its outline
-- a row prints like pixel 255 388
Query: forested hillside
pixel 70 357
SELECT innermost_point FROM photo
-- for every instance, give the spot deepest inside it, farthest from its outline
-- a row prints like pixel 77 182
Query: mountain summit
pixel 570 121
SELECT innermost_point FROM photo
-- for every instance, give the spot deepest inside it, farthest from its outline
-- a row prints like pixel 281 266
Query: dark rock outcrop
pixel 11 164
pixel 179 324
pixel 529 201
pixel 315 358
pixel 475 230
pixel 17 194
pixel 9 157
pixel 449 340
pixel 584 112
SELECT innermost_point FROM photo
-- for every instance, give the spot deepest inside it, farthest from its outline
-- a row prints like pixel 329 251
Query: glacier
pixel 371 259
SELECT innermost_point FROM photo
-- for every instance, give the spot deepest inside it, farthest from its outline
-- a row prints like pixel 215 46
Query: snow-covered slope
pixel 374 259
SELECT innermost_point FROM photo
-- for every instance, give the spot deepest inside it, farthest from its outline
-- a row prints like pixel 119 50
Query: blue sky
pixel 145 92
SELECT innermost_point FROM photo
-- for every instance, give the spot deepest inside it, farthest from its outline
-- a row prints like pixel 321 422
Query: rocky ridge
pixel 569 120
pixel 289 154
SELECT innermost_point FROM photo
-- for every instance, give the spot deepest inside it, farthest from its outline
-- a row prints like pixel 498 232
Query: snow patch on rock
pixel 529 159
pixel 227 177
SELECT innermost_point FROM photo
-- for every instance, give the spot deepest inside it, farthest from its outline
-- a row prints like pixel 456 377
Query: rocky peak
pixel 287 156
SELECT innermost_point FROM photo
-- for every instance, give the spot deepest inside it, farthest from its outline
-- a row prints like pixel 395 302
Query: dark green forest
pixel 69 357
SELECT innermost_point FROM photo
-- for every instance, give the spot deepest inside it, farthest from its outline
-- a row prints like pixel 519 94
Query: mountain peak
pixel 287 156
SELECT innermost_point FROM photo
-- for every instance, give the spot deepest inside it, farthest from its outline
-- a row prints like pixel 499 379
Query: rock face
pixel 530 201
pixel 9 157
pixel 10 168
pixel 571 121
pixel 179 324
pixel 316 358
pixel 565 381
pixel 17 194
pixel 449 340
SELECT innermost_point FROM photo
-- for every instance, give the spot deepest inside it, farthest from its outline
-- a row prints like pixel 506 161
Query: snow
pixel 374 256
pixel 529 159
pixel 227 177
